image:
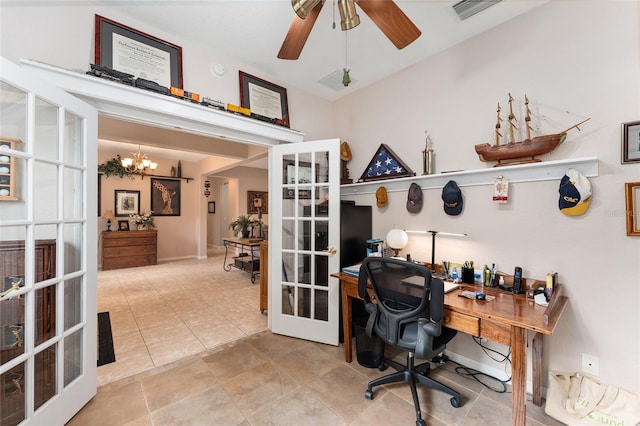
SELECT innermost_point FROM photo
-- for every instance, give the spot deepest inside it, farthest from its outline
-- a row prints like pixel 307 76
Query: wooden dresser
pixel 127 249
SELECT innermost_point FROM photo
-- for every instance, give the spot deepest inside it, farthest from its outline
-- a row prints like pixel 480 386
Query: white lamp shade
pixel 397 239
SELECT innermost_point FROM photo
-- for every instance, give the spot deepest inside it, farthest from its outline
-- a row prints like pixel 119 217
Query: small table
pixel 248 258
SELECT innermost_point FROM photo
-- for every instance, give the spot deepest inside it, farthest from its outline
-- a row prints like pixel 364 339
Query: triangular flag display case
pixel 385 164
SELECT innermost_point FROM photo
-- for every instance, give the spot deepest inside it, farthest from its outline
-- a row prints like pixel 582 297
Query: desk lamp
pixel 433 245
pixel 397 239
pixel 109 216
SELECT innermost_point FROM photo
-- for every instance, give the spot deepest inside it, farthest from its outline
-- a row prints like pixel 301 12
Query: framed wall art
pixel 127 202
pixel 257 201
pixel 212 207
pixel 632 190
pixel 133 52
pixel 631 142
pixel 165 197
pixel 263 98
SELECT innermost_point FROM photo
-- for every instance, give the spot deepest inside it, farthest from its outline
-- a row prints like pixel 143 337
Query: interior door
pixel 304 234
pixel 48 265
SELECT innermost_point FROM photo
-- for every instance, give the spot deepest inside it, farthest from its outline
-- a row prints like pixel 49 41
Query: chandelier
pixel 140 163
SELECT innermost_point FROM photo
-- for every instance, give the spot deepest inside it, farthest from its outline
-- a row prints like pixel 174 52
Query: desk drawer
pixel 495 331
pixel 461 322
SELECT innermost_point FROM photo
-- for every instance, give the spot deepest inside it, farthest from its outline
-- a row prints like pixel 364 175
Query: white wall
pixel 574 60
pixel 175 233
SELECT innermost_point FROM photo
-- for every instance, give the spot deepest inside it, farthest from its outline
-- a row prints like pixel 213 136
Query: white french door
pixel 304 236
pixel 48 249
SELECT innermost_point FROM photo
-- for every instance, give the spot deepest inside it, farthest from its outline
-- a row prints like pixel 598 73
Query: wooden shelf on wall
pixel 532 172
pixel 158 176
pixel 167 177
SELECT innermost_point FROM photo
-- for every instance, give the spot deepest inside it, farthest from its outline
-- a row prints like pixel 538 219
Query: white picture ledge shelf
pixel 532 172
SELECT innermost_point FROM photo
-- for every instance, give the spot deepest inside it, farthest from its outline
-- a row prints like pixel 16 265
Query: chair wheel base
pixel 368 394
pixel 455 402
pixel 421 422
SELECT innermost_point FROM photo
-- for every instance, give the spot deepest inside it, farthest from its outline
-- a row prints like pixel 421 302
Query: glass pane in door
pixel 45 200
pixel 46 130
pixel 14 113
pixel 44 375
pixel 13 388
pixel 72 357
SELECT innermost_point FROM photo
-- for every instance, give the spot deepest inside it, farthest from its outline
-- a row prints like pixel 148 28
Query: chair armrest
pixel 427 330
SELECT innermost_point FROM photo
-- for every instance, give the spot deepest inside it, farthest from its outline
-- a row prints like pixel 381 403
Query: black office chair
pixel 407 315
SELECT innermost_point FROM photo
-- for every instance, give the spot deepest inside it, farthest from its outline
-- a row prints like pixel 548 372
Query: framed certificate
pixel 264 98
pixel 126 50
pixel 631 142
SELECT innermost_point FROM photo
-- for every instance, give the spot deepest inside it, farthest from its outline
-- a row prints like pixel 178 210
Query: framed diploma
pixel 264 98
pixel 126 50
pixel 631 142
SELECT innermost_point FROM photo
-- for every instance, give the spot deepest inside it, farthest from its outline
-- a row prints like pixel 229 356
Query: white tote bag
pixel 576 399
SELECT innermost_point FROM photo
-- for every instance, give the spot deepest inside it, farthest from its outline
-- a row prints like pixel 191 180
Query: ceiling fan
pixel 384 13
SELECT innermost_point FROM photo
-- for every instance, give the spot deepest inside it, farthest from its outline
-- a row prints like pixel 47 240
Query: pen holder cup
pixel 467 275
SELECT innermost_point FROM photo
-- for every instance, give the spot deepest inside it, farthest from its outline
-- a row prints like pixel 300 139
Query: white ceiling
pixel 253 31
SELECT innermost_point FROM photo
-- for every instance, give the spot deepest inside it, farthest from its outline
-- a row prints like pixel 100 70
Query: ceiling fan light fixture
pixel 348 16
pixel 303 7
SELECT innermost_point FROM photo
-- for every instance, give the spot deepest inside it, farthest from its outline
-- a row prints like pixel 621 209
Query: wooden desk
pixel 505 320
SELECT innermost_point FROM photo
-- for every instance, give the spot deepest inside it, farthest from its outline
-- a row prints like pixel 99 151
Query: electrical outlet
pixel 591 364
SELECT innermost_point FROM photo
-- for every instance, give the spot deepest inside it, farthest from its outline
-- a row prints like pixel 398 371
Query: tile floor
pixel 193 349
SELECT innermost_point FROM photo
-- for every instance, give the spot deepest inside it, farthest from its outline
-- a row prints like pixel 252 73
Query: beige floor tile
pixel 211 337
pixel 299 408
pixel 258 387
pixel 174 384
pixel 274 345
pixel 127 342
pixel 163 353
pixel 234 360
pixel 116 406
pixel 127 364
pixel 212 406
pixel 342 390
pixel 307 363
pixel 389 409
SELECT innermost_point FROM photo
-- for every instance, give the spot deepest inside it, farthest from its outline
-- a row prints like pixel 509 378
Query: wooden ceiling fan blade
pixel 391 20
pixel 298 34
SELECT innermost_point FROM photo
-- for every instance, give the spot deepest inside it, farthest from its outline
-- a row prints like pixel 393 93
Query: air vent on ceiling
pixel 334 80
pixel 468 8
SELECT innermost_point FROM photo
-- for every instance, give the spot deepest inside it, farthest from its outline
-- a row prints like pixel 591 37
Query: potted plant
pixel 114 167
pixel 143 221
pixel 242 224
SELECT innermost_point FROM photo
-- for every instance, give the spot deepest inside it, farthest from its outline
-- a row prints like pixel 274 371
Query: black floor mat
pixel 106 354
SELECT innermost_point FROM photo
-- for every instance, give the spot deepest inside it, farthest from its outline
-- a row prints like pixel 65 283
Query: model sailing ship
pixel 524 151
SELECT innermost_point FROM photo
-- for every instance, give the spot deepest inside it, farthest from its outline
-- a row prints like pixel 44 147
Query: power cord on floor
pixel 488 381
